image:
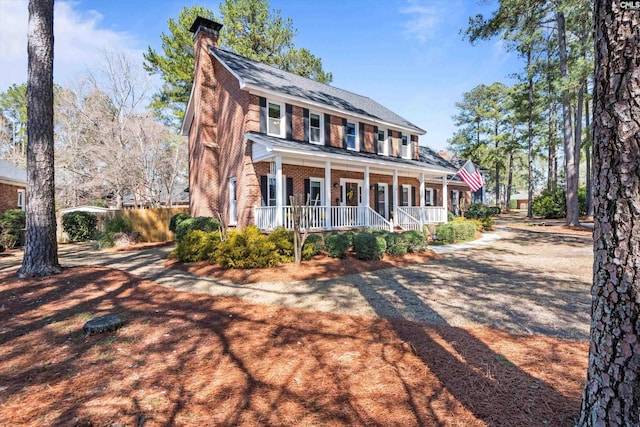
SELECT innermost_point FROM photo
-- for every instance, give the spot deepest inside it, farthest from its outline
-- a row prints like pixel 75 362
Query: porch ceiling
pixel 311 155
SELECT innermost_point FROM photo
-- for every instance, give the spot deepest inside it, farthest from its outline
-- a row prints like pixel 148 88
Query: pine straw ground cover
pixel 187 359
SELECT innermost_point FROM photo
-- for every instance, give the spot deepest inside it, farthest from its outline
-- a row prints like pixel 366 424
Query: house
pixel 259 135
pixel 13 185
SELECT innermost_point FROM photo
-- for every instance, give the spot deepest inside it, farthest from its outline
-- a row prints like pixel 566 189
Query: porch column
pixel 394 195
pixel 365 195
pixel 279 192
pixel 422 214
pixel 327 194
pixel 445 198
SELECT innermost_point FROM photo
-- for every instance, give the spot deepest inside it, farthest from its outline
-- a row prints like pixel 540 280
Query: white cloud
pixel 423 20
pixel 79 42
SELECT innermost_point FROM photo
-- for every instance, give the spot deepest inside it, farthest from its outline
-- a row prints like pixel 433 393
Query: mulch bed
pixel 320 267
pixel 192 359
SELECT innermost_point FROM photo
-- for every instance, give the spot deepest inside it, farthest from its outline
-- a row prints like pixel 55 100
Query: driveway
pixel 525 282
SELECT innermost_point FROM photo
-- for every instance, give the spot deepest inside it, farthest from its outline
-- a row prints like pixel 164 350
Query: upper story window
pixel 275 124
pixel 315 126
pixel 383 144
pixel 351 131
pixel 405 148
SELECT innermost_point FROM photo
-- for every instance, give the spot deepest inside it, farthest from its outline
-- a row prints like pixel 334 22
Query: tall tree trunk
pixel 530 135
pixel 570 164
pixel 578 138
pixel 509 181
pixel 497 146
pixel 588 149
pixel 552 166
pixel 611 394
pixel 41 248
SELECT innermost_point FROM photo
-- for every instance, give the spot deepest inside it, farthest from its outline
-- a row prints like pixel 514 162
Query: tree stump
pixel 98 325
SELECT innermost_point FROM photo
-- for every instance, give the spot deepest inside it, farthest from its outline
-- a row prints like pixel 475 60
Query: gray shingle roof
pixel 12 173
pixel 274 79
pixel 308 147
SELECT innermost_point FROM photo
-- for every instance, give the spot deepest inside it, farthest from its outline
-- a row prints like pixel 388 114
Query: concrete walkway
pixel 508 279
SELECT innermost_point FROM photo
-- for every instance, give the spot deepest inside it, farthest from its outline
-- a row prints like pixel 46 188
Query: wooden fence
pixel 153 224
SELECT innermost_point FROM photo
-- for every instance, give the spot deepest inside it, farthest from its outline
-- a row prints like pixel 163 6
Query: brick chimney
pixel 203 141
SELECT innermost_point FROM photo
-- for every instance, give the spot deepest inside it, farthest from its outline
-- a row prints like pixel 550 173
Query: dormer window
pixel 351 136
pixel 405 148
pixel 383 144
pixel 315 126
pixel 275 123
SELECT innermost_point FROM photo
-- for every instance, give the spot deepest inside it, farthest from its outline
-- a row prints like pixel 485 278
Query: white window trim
pixel 282 118
pixel 233 202
pixel 408 187
pixel 284 190
pixel 429 202
pixel 343 189
pixel 409 150
pixel 21 200
pixel 321 181
pixel 357 136
pixel 385 152
pixel 321 142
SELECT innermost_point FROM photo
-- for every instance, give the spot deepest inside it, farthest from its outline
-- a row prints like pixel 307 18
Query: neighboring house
pixel 13 185
pixel 258 135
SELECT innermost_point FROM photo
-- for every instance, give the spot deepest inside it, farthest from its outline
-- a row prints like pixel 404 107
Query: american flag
pixel 471 176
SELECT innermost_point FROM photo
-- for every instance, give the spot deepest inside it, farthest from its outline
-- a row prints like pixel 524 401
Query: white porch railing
pixel 427 214
pixel 265 218
pixel 406 221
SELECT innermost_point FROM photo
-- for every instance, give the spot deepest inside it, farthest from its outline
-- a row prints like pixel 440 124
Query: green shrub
pixel 283 241
pixel 350 235
pixel 397 244
pixel 477 211
pixel 487 224
pixel 312 246
pixel 176 220
pixel 202 223
pixel 445 233
pixel 80 226
pixel 416 241
pixel 495 210
pixel 464 230
pixel 549 204
pixel 12 224
pixel 248 248
pixel 337 244
pixel 106 240
pixel 118 224
pixel 368 246
pixel 196 246
pixel 476 222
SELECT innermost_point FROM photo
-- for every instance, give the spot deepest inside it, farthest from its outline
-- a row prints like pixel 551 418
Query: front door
pixel 352 192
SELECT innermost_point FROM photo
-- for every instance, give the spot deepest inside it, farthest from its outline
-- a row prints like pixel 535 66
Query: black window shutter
pixel 305 115
pixel 400 144
pixel 344 133
pixel 413 196
pixel 264 190
pixel 263 115
pixel 414 150
pixel 390 201
pixel 307 190
pixel 327 129
pixel 288 108
pixel 435 197
pixel 376 199
pixel 289 190
pixel 375 139
pixel 390 138
pixel 361 136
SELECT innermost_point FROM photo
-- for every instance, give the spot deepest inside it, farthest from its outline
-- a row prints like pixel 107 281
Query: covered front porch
pixel 347 190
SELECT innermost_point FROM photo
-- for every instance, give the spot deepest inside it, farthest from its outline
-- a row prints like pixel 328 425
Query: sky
pixel 408 55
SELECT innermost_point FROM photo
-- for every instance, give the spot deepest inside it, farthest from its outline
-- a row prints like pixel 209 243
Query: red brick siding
pixel 9 196
pixel 297 123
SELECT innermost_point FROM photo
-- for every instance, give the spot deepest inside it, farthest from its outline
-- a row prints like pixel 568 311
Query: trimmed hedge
pixel 283 241
pixel 248 248
pixel 197 245
pixel 176 220
pixel 12 224
pixel 337 244
pixel 202 223
pixel 369 246
pixel 456 231
pixel 312 246
pixel 416 241
pixel 397 244
pixel 478 211
pixel 80 226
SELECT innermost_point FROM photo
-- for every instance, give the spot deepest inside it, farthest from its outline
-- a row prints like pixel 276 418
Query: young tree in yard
pixel 612 391
pixel 41 248
pixel 301 215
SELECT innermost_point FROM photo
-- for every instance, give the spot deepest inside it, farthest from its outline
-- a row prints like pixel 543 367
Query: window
pixel 382 208
pixel 315 126
pixel 20 199
pixel 405 148
pixel 428 197
pixel 405 196
pixel 316 186
pixel 383 146
pixel 271 190
pixel 276 118
pixel 351 135
pixel 233 212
